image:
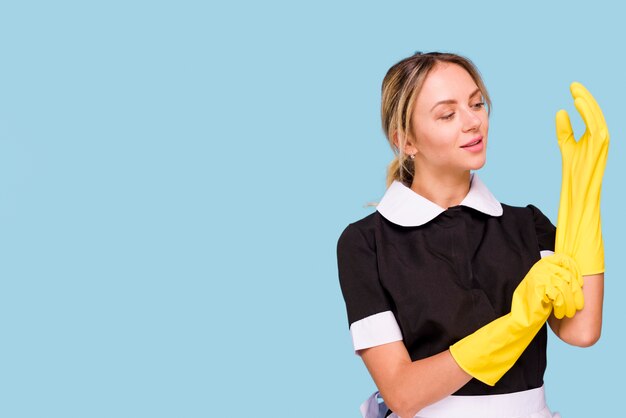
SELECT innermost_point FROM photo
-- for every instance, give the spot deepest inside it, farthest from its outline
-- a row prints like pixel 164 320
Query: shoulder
pixel 361 230
pixel 528 212
pixel 530 218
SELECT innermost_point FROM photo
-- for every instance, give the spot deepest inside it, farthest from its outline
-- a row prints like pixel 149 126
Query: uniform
pixel 415 272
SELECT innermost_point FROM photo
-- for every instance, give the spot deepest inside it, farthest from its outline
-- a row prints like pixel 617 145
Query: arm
pixel 486 354
pixel 409 386
pixel 583 330
pixel 406 386
pixel 579 232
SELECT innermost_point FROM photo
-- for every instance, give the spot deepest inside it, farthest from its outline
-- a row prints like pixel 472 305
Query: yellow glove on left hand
pixel 490 352
pixel 579 232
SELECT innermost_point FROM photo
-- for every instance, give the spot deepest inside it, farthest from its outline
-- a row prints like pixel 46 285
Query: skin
pixel 448 114
pixel 584 329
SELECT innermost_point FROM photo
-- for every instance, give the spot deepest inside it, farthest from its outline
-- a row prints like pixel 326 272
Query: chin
pixel 478 164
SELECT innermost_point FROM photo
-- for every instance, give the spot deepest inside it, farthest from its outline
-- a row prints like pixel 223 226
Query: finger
pixel 569 302
pixel 558 306
pixel 578 90
pixel 564 298
pixel 574 279
pixel 549 291
pixel 577 292
pixel 580 281
pixel 570 271
pixel 564 131
pixel 587 114
pixel 599 129
pixel 559 311
pixel 562 264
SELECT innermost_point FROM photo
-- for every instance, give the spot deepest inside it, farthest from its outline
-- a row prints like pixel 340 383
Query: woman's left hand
pixel 579 233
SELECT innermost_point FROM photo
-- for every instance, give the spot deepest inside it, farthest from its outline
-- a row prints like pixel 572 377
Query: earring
pixel 412 156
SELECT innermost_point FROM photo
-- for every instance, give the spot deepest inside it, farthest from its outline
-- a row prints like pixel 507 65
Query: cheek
pixel 440 145
pixel 485 122
pixel 438 141
pixel 437 136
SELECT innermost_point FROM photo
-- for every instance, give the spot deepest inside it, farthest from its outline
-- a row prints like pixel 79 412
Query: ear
pixel 408 148
pixel 396 140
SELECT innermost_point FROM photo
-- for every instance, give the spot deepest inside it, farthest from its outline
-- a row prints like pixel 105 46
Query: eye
pixel 447 117
pixel 478 105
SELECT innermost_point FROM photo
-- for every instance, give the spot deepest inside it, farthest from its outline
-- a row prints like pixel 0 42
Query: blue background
pixel 174 177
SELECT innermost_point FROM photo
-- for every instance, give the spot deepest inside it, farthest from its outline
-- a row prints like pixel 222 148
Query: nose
pixel 471 121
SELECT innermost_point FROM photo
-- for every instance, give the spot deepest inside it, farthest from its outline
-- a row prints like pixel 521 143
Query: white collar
pixel 404 207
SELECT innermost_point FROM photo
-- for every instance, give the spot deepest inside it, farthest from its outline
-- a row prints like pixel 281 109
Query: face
pixel 449 123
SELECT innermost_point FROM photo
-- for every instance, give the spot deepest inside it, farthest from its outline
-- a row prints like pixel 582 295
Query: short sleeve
pixel 371 319
pixel 545 231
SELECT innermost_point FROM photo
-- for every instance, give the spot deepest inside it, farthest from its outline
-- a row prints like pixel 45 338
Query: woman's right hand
pixel 407 386
pixel 554 282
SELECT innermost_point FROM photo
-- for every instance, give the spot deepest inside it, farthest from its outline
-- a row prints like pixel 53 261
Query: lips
pixel 473 142
pixel 475 146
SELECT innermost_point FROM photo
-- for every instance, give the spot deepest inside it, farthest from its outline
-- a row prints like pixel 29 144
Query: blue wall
pixel 174 177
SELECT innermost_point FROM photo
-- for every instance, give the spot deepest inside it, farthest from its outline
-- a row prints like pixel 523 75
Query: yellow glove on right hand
pixel 490 352
pixel 578 232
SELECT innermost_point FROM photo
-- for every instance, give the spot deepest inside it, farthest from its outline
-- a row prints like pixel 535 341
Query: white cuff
pixel 377 329
pixel 545 253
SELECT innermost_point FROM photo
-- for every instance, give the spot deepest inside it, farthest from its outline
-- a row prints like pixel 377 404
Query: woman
pixel 446 289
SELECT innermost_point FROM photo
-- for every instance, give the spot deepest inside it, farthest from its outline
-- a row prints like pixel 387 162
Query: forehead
pixel 446 81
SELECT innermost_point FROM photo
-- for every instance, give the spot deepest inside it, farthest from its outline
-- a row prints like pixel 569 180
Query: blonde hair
pixel 400 88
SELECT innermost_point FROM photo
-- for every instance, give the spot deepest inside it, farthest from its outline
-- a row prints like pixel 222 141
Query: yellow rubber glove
pixel 579 232
pixel 490 352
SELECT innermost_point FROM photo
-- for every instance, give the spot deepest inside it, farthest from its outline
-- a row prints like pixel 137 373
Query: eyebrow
pixel 451 101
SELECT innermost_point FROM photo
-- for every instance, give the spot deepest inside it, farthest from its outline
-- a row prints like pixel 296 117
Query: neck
pixel 444 189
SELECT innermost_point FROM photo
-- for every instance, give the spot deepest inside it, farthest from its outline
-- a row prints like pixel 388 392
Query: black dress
pixel 415 272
